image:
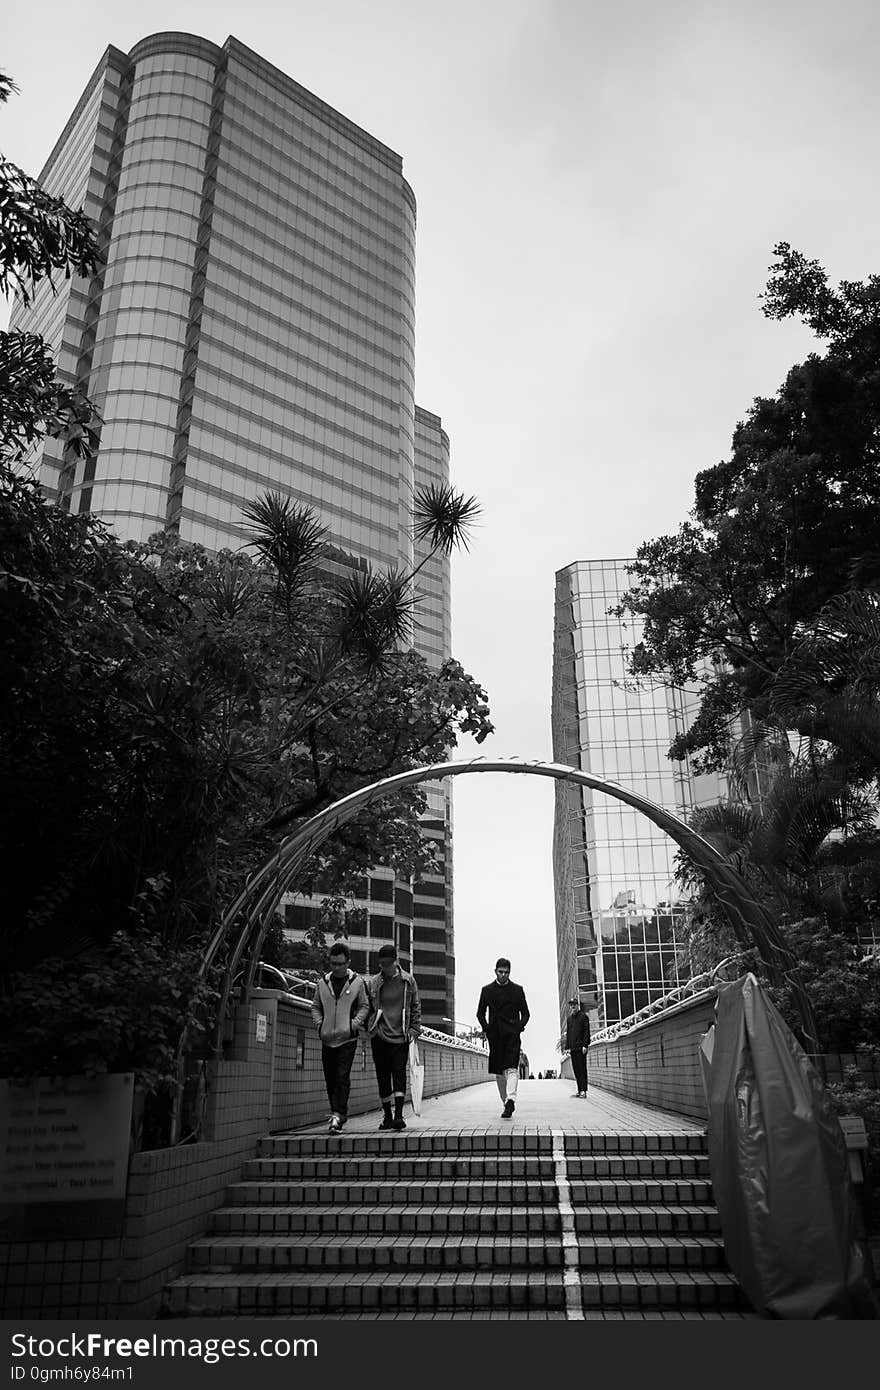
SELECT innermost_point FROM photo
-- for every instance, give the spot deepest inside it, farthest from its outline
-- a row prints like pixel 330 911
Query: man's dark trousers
pixel 389 1059
pixel 337 1074
pixel 579 1066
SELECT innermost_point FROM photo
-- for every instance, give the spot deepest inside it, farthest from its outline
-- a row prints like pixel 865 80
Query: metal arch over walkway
pixel 263 892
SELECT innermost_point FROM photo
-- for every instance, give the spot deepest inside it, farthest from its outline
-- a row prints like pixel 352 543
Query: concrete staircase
pixel 529 1223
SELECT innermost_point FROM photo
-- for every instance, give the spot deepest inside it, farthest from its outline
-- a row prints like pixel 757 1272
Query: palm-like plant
pixel 290 539
pixel 443 518
pixel 370 611
pixel 374 608
pixel 828 688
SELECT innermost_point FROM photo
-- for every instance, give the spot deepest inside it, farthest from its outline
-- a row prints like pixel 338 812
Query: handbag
pixel 416 1076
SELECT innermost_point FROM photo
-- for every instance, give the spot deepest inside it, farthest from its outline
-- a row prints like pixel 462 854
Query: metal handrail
pixel 697 983
pixel 434 1035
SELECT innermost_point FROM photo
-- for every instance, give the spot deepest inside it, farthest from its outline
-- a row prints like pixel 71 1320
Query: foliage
pixel 843 988
pixel 166 716
pixel 854 1096
pixel 117 1010
pixel 160 728
pixel 39 236
pixel 272 950
pixel 778 531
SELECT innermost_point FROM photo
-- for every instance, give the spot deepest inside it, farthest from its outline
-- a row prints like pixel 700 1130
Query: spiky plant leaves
pixel 375 615
pixel 443 518
pixel 287 536
pixel 229 592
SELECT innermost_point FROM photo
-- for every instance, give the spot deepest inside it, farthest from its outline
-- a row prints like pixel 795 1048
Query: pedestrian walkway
pixel 540 1105
pixel 573 1209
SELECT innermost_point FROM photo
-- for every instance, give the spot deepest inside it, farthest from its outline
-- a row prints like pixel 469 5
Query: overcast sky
pixel 600 184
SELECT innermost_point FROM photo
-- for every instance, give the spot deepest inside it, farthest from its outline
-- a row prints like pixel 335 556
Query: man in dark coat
pixel 508 1014
pixel 577 1040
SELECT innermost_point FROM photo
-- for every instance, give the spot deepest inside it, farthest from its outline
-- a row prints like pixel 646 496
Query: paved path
pixel 544 1105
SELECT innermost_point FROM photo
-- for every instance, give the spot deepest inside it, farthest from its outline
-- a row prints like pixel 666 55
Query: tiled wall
pixel 264 1085
pixel 658 1063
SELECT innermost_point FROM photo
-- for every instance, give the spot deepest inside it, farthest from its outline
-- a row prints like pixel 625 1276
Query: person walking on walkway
pixel 339 1009
pixel 395 1019
pixel 508 1014
pixel 577 1040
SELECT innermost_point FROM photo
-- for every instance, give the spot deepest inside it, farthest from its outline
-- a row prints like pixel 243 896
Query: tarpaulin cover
pixel 779 1166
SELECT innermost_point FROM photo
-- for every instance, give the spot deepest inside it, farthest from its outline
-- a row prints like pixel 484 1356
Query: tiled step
pixel 635 1143
pixel 454 1220
pixel 422 1168
pixel 221 1254
pixel 438 1145
pixel 390 1219
pixel 649 1192
pixel 417 1169
pixel 353 1292
pixel 635 1218
pixel 462 1192
pixel 455 1191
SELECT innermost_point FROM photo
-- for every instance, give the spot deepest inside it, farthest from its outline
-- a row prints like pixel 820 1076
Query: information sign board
pixel 64 1146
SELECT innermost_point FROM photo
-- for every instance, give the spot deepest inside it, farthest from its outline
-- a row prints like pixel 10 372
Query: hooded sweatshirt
pixel 338 1020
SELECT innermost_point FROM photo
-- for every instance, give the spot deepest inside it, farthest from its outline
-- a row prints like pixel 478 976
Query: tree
pixel 39 236
pixel 777 531
pixel 166 715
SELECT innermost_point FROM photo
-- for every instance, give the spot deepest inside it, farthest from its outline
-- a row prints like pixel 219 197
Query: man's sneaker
pixel 335 1125
pixel 387 1123
pixel 508 1110
pixel 399 1123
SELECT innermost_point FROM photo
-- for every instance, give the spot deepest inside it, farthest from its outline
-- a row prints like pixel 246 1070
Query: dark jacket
pixel 503 1013
pixel 577 1030
pixel 338 1020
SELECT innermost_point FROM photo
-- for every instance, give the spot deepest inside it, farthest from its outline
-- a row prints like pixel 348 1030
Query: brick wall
pixel 270 1081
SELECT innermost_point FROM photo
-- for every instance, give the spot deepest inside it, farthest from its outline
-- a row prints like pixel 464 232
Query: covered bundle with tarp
pixel 779 1166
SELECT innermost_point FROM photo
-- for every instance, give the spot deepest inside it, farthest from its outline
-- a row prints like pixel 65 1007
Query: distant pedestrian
pixel 577 1040
pixel 339 1010
pixel 395 1019
pixel 503 1013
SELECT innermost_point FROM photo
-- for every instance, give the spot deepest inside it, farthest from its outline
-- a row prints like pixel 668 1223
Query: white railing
pixel 696 985
pixel 434 1035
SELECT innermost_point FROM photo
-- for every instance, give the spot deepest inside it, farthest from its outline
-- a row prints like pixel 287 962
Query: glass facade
pixel 618 912
pixel 433 913
pixel 253 324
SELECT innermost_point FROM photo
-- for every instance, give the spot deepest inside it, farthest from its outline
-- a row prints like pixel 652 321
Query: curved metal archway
pixel 263 892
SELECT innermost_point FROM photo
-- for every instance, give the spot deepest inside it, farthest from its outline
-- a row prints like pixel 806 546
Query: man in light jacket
pixel 339 1009
pixel 395 1019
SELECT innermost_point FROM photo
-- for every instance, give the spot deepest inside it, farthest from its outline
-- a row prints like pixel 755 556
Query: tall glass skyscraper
pixel 252 327
pixel 618 913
